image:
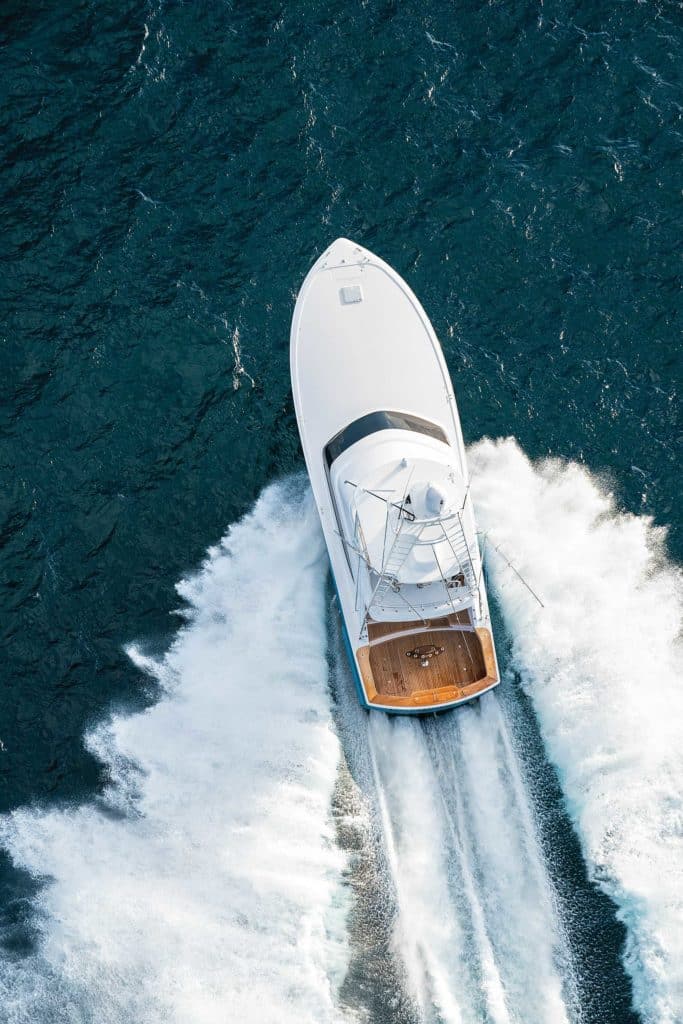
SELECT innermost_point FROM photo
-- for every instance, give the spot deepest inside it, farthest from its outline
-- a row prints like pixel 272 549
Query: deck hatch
pixel 350 294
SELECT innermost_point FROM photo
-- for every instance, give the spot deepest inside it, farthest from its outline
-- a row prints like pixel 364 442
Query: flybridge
pixel 425 568
pixel 400 504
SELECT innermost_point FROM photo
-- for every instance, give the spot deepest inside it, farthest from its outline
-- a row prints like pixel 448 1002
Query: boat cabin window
pixel 375 421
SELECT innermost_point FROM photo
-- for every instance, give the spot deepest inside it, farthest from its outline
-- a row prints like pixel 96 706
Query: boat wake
pixel 208 882
pixel 206 885
pixel 602 666
pixel 475 920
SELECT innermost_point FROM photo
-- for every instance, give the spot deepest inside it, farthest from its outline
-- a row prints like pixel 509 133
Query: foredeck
pixel 394 675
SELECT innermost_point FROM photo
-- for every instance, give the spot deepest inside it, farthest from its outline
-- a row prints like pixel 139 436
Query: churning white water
pixel 602 665
pixel 215 893
pixel 207 885
pixel 476 925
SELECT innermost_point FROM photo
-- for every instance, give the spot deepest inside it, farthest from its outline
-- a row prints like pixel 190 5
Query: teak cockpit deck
pixel 409 664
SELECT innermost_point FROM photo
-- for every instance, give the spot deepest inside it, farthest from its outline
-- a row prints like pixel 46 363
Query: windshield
pixel 375 421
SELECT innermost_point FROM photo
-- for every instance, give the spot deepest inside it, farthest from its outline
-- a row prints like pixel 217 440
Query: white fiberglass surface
pixel 350 360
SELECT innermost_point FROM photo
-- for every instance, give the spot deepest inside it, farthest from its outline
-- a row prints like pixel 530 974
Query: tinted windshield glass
pixel 375 421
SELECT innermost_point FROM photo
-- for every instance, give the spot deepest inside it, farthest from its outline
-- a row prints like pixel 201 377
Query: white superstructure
pixel 384 450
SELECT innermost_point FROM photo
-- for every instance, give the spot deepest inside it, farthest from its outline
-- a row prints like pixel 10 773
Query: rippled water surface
pixel 168 174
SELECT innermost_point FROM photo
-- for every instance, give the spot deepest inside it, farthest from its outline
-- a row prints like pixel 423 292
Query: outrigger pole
pixel 518 574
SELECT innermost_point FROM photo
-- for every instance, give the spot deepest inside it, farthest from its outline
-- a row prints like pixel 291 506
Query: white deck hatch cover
pixel 350 294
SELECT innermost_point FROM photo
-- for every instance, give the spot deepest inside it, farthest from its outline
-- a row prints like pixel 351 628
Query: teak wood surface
pixel 465 668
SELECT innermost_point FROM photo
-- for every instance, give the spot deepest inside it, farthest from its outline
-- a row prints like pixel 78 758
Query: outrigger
pixel 384 450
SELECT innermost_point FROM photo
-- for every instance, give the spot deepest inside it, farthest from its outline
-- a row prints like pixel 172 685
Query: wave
pixel 602 666
pixel 208 880
pixel 475 921
pixel 476 924
pixel 206 885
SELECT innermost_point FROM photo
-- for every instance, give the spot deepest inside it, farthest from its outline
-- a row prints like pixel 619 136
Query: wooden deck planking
pixel 466 672
pixel 461 663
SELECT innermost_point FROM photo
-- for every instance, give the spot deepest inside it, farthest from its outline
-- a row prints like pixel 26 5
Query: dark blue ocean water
pixel 169 171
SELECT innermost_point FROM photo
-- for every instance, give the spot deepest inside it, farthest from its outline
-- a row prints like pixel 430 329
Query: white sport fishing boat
pixel 384 450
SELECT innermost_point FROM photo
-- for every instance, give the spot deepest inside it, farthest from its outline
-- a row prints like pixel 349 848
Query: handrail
pixel 411 531
pixel 359 531
pixel 469 557
pixel 420 629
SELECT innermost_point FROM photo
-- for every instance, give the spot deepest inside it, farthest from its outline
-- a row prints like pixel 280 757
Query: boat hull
pixel 361 342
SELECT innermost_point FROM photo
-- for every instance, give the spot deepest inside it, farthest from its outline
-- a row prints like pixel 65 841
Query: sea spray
pixel 207 879
pixel 602 665
pixel 476 919
pixel 428 933
pixel 476 928
pixel 206 885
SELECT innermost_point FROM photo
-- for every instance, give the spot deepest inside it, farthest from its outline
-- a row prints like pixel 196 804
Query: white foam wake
pixel 216 894
pixel 603 668
pixel 476 922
